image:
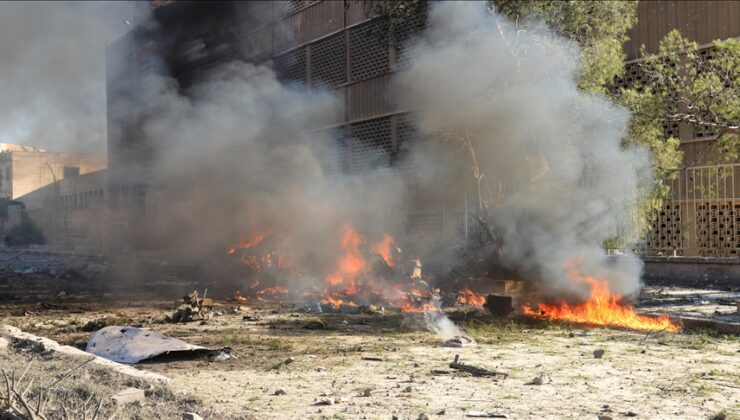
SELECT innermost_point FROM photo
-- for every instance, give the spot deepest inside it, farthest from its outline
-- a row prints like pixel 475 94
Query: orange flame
pixel 383 248
pixel 252 242
pixel 471 298
pixel 603 308
pixel 351 265
pixel 238 297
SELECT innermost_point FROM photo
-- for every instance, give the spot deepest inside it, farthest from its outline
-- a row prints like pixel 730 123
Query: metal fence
pixel 702 216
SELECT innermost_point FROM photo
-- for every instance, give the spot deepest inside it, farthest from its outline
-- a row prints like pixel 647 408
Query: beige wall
pixel 72 213
pixel 23 172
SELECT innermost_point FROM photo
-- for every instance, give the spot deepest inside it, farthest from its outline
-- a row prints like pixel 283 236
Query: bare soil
pixel 659 375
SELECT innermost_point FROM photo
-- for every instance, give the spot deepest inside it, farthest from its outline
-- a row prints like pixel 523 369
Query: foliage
pixel 681 85
pixel 598 27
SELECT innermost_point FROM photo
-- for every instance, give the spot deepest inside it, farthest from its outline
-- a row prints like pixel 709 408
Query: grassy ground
pixel 658 375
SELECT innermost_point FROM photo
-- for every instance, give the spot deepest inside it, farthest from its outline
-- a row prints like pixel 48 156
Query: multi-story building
pixel 703 216
pixel 339 46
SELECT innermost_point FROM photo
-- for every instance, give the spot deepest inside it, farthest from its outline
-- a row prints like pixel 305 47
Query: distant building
pixel 24 169
pixel 72 212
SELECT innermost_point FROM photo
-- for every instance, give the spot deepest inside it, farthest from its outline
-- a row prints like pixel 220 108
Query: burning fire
pixel 471 298
pixel 603 308
pixel 383 248
pixel 351 278
pixel 252 242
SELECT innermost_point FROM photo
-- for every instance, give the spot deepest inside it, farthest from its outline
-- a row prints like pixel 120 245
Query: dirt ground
pixel 660 375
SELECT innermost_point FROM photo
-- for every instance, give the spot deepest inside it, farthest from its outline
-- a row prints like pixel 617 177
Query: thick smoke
pixel 237 153
pixel 241 155
pixel 561 182
pixel 52 61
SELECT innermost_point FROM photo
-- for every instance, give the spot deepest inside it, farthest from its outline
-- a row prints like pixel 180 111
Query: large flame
pixel 603 308
pixel 469 297
pixel 350 280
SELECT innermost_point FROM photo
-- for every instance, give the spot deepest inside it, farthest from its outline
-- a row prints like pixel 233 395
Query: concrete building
pixel 337 45
pixel 72 212
pixel 23 169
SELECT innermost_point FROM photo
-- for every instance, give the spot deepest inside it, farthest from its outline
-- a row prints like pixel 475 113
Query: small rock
pixel 459 341
pixel 540 380
pixel 62 294
pixel 279 391
pixel 441 412
pixel 422 416
pixel 629 414
pixel 408 389
pixel 128 396
pixel 326 401
pixel 4 343
pixel 191 416
pixel 604 417
pixel 367 392
pixel 598 353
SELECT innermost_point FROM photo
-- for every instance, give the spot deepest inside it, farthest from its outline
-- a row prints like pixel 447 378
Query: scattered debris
pixel 191 416
pixel 133 345
pixel 604 417
pixel 221 355
pixel 366 392
pixel 43 345
pixel 329 401
pixel 285 362
pixel 372 358
pixel 408 389
pixel 599 353
pixel 484 414
pixel 128 396
pixel 460 341
pixel 279 391
pixel 194 308
pixel 629 414
pixel 422 416
pixel 4 343
pixel 539 380
pixel 251 318
pixel 474 370
pixel 440 372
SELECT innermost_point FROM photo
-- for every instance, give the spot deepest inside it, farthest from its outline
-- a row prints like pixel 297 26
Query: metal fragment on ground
pixel 133 345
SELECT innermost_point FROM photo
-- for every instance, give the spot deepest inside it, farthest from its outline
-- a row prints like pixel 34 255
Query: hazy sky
pixel 52 71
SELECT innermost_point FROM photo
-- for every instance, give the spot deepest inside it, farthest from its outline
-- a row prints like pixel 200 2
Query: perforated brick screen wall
pixel 328 62
pixel 291 67
pixel 369 50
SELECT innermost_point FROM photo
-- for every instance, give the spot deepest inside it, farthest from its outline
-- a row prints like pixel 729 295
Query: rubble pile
pixel 194 308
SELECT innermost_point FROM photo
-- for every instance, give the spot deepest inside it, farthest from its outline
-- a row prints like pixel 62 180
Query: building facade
pixel 72 213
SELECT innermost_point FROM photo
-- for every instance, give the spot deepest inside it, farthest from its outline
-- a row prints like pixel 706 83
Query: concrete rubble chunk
pixel 128 396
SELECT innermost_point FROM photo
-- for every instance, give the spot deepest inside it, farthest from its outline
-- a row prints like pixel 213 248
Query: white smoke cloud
pixel 551 153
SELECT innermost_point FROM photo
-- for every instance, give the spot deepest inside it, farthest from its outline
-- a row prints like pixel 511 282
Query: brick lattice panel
pixel 666 235
pixel 633 77
pixel 328 62
pixel 403 35
pixel 369 50
pixel 718 228
pixel 291 67
pixel 371 144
